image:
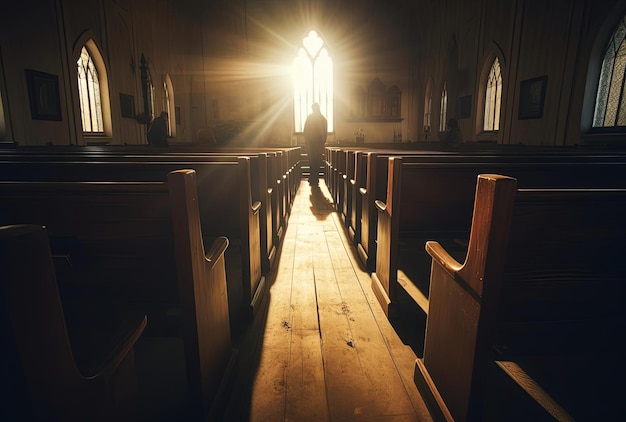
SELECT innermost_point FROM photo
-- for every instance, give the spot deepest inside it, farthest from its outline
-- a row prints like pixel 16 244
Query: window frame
pixel 88 41
pixel 621 102
pixel 492 107
pixel 324 95
pixel 481 92
pixel 443 108
pixel 602 35
pixel 428 107
pixel 89 94
pixel 169 105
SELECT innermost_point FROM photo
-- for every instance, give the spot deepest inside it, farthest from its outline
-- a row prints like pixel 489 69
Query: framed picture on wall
pixel 531 98
pixel 43 93
pixel 127 105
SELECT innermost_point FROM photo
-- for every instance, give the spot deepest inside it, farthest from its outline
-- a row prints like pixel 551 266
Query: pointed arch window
pixel 313 81
pixel 610 109
pixel 493 98
pixel 169 106
pixel 3 127
pixel 443 108
pixel 89 93
pixel 428 101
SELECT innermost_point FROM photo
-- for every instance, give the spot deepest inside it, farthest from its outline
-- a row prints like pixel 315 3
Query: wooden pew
pixel 432 198
pixel 265 169
pixel 283 168
pixel 533 312
pixel 226 209
pixel 289 172
pixel 364 184
pixel 355 188
pixel 141 244
pixel 57 363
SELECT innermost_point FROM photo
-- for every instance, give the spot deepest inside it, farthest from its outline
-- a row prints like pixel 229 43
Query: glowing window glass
pixel 312 74
pixel 89 94
pixel 493 97
pixel 443 108
pixel 428 100
pixel 610 110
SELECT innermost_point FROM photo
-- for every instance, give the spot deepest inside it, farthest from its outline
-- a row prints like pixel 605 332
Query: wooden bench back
pixel 119 234
pixel 564 276
pixel 224 198
pixel 265 170
pixel 142 242
pixel 528 250
pixel 217 181
pixel 432 198
pixel 46 374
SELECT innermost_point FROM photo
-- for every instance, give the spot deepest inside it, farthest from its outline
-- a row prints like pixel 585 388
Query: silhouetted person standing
pixel 315 132
pixel 157 133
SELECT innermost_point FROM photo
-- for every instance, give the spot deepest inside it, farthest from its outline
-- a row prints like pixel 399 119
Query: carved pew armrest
pixel 218 247
pixel 441 257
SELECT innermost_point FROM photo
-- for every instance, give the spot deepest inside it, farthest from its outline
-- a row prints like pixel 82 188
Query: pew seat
pixel 227 208
pixel 538 296
pixel 59 365
pixel 142 244
pixel 431 198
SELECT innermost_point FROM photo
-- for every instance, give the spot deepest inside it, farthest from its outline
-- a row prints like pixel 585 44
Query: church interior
pixel 460 260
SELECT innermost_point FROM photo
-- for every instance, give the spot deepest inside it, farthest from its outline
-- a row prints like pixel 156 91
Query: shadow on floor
pixel 411 324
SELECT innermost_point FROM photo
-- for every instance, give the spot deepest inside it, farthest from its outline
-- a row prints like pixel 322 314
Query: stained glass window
pixel 89 93
pixel 610 108
pixel 312 74
pixel 443 108
pixel 493 98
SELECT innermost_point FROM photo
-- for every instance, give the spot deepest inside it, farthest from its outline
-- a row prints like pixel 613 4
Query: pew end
pixel 535 282
pixel 72 368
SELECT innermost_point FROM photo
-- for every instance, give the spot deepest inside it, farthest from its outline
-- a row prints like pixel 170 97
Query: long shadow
pixel 410 325
pixel 249 342
pixel 321 205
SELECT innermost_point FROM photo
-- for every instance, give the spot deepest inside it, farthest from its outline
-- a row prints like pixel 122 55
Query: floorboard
pixel 327 352
pixel 320 349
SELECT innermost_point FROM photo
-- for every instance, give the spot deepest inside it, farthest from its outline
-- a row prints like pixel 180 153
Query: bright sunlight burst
pixel 312 75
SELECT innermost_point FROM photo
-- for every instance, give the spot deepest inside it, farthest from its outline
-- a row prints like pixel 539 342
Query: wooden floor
pixel 322 350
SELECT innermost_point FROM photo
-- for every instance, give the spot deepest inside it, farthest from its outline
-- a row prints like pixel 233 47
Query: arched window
pixel 169 106
pixel 313 81
pixel 610 109
pixel 443 108
pixel 89 93
pixel 428 100
pixel 493 98
pixel 3 126
pixel 93 90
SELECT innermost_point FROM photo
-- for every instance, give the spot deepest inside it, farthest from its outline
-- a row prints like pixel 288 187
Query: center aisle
pixel 322 349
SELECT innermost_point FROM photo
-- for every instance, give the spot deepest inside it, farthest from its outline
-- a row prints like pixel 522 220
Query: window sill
pixel 96 139
pixel 487 137
pixel 603 139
